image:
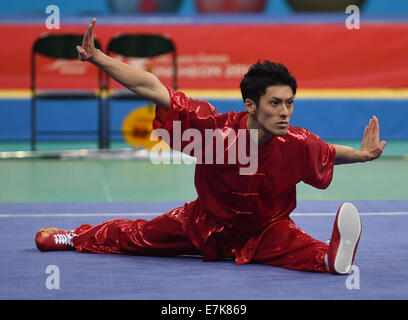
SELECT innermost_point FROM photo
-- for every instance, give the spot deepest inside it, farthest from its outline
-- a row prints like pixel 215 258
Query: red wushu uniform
pixel 244 217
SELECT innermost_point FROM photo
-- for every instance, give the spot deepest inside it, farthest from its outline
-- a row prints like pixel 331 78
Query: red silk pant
pixel 282 244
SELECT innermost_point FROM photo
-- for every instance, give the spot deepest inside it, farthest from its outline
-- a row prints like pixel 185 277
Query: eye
pixel 290 102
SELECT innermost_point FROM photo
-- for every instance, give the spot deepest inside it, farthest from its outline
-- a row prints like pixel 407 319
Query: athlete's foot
pixel 344 240
pixel 52 239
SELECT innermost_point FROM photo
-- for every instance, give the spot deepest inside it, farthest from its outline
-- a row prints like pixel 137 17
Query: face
pixel 274 111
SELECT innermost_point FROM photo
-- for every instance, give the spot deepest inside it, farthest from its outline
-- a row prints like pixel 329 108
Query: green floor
pixel 394 148
pixel 39 180
pixel 53 180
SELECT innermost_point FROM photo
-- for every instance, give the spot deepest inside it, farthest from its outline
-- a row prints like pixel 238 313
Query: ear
pixel 250 106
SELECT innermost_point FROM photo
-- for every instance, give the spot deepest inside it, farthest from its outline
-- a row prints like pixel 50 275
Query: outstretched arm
pixel 143 83
pixel 371 147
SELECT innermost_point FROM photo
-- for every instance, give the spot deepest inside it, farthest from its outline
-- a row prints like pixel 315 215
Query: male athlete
pixel 240 216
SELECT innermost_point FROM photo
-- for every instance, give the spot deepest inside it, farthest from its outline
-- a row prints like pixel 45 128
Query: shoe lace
pixel 64 238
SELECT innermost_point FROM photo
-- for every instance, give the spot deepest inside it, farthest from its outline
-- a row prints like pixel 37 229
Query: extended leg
pixel 285 245
pixel 162 236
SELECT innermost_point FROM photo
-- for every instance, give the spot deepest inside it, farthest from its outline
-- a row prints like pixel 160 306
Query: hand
pixel 87 50
pixel 371 144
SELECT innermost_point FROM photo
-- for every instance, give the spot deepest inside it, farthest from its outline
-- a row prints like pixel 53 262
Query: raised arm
pixel 143 83
pixel 371 147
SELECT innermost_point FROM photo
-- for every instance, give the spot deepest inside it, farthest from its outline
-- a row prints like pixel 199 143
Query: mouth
pixel 283 124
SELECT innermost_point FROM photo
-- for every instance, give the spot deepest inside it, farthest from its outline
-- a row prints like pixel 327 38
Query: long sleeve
pixel 318 161
pixel 185 113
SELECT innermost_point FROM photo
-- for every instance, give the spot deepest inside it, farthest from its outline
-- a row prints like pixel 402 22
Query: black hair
pixel 262 75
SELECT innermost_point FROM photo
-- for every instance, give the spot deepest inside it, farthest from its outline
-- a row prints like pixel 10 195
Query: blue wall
pixel 329 118
pixel 102 7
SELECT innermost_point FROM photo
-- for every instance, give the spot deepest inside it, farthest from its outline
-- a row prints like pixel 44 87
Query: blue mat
pixel 380 262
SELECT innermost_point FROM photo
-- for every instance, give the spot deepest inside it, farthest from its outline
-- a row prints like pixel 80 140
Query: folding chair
pixel 136 46
pixel 61 46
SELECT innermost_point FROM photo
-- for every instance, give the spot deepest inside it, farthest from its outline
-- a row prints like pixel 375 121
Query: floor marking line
pixel 140 214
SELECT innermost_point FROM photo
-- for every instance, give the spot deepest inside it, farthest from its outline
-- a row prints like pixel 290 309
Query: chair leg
pixel 100 124
pixel 33 119
pixel 107 124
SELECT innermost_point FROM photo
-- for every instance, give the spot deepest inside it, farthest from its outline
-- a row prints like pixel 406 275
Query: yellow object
pixel 334 93
pixel 137 127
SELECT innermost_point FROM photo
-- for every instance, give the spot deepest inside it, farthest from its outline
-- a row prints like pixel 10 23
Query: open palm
pixel 371 140
pixel 87 50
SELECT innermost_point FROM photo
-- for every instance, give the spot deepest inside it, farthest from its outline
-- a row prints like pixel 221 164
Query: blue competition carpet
pixel 381 261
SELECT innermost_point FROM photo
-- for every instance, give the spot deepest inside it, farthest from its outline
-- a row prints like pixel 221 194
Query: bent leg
pixel 162 236
pixel 285 245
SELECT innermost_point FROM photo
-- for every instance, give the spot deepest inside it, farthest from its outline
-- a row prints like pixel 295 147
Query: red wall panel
pixel 216 56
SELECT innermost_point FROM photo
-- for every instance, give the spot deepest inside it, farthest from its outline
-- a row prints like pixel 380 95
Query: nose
pixel 284 113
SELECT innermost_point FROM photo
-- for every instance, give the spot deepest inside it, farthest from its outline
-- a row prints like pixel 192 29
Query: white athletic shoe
pixel 344 240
